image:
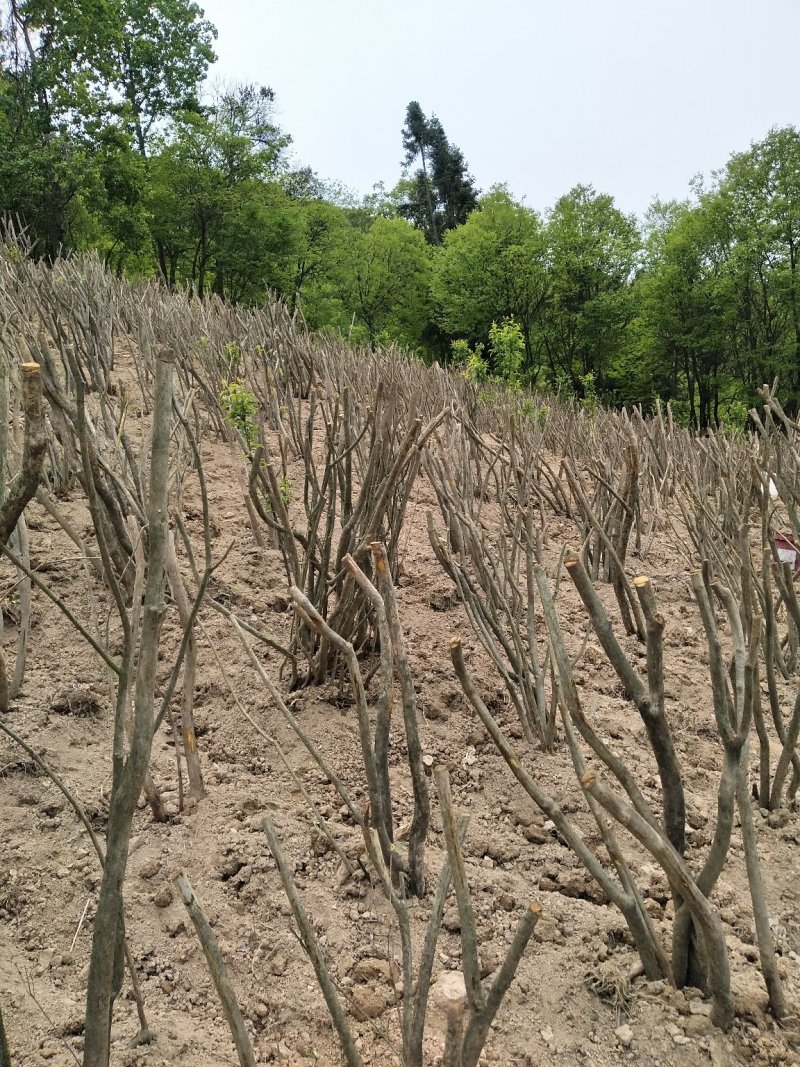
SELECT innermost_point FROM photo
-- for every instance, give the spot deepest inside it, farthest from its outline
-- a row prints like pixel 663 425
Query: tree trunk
pixel 435 239
pixel 106 957
pixel 5 1056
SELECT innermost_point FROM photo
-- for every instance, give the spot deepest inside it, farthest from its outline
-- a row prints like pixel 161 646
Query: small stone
pixel 699 1007
pixel 698 1026
pixel 449 988
pixel 624 1035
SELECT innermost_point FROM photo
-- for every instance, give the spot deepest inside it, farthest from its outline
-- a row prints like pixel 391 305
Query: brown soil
pixel 573 989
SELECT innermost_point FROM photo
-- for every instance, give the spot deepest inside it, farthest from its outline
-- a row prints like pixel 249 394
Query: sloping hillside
pixel 330 444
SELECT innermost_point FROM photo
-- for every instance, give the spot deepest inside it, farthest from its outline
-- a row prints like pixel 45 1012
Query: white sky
pixel 632 96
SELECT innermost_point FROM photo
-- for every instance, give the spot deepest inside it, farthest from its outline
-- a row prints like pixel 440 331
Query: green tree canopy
pixel 213 205
pixel 593 252
pixel 493 267
pixel 439 195
pixel 161 60
pixel 80 83
pixel 760 195
pixel 686 301
pixel 382 281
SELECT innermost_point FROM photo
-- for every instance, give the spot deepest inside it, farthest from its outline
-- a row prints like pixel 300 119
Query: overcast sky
pixel 632 96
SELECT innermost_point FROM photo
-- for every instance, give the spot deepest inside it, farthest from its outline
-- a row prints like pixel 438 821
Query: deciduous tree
pixel 494 267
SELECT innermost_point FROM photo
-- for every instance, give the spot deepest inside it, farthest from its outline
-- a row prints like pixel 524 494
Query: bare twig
pixel 351 1053
pixel 24 486
pixel 219 972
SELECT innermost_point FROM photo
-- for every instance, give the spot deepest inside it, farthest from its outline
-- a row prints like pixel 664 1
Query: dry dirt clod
pixel 624 1034
pixel 375 970
pixel 278 964
pixel 547 930
pixel 82 703
pixel 163 896
pixel 149 869
pixel 371 1001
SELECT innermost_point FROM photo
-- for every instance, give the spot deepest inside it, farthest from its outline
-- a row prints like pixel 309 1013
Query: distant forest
pixel 110 141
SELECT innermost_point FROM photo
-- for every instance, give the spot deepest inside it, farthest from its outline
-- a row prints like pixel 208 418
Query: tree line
pixel 110 140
